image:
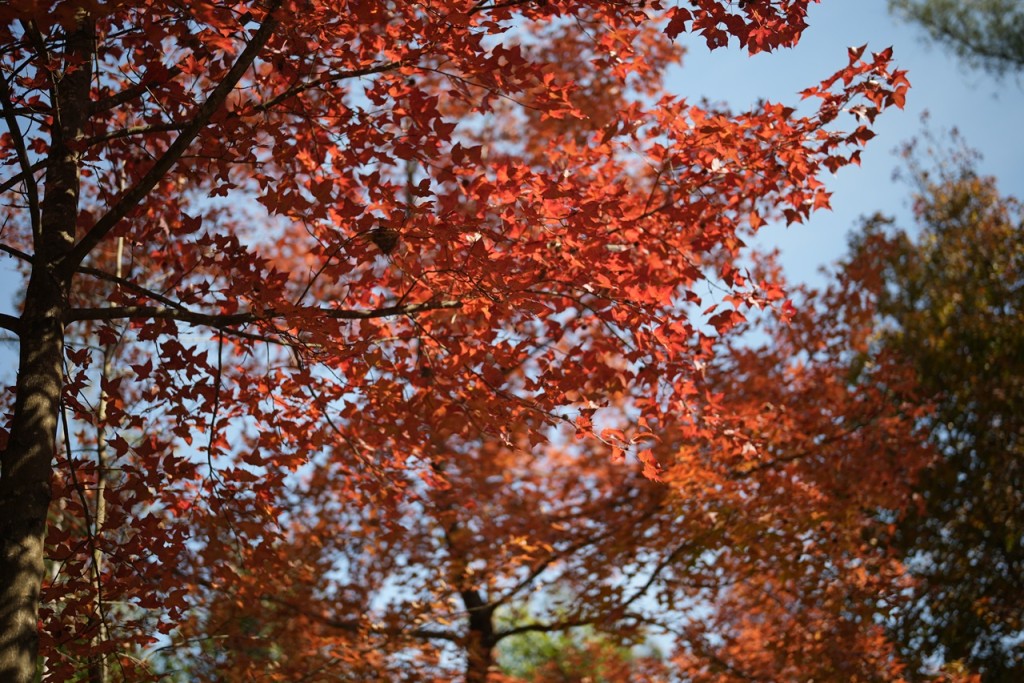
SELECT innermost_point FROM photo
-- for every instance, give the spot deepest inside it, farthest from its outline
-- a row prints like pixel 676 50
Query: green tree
pixel 952 295
pixel 573 657
pixel 986 33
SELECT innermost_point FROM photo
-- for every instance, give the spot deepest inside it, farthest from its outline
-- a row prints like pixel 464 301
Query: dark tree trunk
pixel 26 464
pixel 480 640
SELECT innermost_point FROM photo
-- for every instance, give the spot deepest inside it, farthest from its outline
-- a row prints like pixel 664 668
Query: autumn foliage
pixel 951 307
pixel 359 337
pixel 752 559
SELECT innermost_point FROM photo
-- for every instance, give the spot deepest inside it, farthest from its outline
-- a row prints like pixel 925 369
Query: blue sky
pixel 988 113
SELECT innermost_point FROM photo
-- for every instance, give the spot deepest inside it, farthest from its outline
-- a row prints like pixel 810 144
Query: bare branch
pixel 16 253
pixel 14 128
pixel 10 323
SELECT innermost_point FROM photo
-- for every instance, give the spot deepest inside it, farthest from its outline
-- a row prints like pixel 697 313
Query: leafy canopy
pixel 320 247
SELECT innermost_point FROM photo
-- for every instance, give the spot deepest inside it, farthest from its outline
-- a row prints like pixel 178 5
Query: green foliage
pixel 953 299
pixel 582 654
pixel 986 33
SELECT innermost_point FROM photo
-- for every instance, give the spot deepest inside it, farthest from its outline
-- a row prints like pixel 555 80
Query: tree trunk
pixel 480 639
pixel 26 464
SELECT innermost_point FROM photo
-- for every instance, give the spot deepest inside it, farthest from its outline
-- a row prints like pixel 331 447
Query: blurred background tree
pixel 951 300
pixel 988 34
pixel 580 656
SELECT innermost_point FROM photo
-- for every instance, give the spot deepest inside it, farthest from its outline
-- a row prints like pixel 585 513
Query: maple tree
pixel 949 302
pixel 553 563
pixel 272 240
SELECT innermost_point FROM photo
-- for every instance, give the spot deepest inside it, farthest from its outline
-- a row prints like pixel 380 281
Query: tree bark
pixel 26 463
pixel 480 640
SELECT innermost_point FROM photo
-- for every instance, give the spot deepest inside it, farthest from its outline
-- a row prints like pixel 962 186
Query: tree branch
pixel 109 277
pixel 258 108
pixel 542 565
pixel 11 182
pixel 36 38
pixel 481 7
pixel 656 572
pixel 133 286
pixel 132 92
pixel 136 130
pixel 752 468
pixel 228 320
pixel 26 167
pixel 16 253
pixel 353 626
pixel 171 309
pixel 133 196
pixel 321 80
pixel 10 323
pixel 564 625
